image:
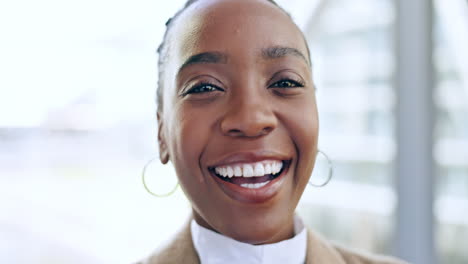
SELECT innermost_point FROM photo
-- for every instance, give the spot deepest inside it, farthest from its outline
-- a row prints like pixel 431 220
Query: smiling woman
pixel 237 117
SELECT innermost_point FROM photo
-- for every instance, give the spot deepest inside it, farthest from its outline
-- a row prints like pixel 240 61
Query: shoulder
pixel 319 250
pixel 179 249
pixel 357 257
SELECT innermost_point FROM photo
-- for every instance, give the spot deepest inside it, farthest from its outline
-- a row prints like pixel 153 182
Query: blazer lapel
pixel 319 251
pixel 179 250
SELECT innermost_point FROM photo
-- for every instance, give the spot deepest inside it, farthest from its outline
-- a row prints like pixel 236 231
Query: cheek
pixel 303 125
pixel 309 127
pixel 309 139
pixel 188 136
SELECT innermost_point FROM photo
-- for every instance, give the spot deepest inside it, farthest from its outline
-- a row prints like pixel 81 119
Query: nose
pixel 249 116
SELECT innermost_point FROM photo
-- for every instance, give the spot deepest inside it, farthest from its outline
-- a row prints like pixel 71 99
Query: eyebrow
pixel 275 52
pixel 204 58
pixel 279 52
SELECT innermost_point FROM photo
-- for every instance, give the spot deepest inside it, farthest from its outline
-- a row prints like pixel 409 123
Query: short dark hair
pixel 164 54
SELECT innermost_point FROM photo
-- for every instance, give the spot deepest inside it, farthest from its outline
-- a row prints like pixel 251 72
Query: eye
pixel 203 88
pixel 287 83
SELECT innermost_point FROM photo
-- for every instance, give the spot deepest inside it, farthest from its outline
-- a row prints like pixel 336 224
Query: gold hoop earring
pixel 143 178
pixel 330 171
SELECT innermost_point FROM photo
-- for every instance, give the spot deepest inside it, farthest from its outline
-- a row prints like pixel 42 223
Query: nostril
pixel 241 133
pixel 248 122
pixel 267 130
pixel 235 132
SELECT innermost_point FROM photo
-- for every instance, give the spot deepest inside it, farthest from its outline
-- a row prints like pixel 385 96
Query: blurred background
pixel 77 125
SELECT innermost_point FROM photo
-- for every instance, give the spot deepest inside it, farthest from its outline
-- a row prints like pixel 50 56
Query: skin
pixel 253 103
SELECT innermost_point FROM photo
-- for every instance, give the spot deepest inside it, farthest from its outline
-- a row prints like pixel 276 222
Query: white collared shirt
pixel 214 248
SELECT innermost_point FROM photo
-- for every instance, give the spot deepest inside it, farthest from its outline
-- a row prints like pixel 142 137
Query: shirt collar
pixel 214 248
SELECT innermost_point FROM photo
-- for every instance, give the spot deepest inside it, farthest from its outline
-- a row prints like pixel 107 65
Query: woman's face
pixel 239 121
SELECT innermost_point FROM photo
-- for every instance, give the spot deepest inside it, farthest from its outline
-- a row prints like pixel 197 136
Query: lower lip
pixel 247 195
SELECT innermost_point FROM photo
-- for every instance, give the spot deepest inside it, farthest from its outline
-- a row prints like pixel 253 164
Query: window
pixel 451 145
pixel 352 52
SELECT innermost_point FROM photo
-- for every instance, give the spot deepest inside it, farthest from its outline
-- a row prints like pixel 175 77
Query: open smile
pixel 251 182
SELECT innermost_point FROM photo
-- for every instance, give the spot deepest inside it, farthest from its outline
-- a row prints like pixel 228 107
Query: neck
pixel 286 232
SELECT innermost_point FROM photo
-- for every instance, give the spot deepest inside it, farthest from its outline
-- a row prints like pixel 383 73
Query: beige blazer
pixel 181 251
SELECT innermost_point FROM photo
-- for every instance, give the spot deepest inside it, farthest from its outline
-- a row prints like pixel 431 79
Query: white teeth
pixel 254 185
pixel 237 171
pixel 230 172
pixel 276 167
pixel 268 168
pixel 248 170
pixel 257 169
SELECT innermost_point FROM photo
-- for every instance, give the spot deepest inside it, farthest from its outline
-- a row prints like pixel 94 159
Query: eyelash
pixel 201 86
pixel 290 81
pixel 193 90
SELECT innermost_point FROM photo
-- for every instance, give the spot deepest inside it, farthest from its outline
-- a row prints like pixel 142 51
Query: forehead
pixel 234 26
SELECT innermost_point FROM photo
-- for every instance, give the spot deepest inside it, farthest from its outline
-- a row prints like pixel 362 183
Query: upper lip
pixel 249 157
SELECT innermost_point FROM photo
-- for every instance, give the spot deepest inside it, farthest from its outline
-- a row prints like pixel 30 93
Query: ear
pixel 163 151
